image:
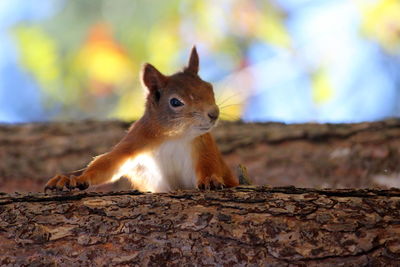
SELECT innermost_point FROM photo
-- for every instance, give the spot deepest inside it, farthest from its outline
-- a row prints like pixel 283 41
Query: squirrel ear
pixel 152 78
pixel 193 65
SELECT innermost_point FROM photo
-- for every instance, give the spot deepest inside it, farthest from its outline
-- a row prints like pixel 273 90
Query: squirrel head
pixel 181 104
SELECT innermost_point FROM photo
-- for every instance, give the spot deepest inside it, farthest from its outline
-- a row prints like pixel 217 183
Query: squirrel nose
pixel 213 114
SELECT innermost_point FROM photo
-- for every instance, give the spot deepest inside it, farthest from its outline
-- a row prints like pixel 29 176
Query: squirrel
pixel 170 147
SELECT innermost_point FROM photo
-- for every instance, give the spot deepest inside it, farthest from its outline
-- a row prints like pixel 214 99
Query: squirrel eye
pixel 175 102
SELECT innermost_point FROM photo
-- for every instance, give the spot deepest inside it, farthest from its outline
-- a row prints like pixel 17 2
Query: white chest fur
pixel 168 167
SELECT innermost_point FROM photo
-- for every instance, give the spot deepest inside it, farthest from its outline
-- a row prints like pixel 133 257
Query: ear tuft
pixel 193 66
pixel 152 78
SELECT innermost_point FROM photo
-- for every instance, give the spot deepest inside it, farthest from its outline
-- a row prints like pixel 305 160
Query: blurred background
pixel 290 61
pixel 278 60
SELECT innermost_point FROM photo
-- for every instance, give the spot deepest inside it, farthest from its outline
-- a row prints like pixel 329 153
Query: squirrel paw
pixel 58 183
pixel 211 182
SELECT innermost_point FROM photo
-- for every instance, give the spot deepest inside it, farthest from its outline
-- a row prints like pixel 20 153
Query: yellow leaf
pixel 322 90
pixel 381 21
pixel 38 54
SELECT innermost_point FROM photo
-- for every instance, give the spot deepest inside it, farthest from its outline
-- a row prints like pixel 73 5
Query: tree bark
pixel 245 226
pixel 306 155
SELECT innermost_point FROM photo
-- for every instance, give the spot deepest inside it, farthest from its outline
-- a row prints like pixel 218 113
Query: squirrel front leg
pixel 106 167
pixel 101 170
pixel 211 170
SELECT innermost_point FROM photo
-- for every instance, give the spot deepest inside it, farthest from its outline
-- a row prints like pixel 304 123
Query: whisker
pixel 230 116
pixel 230 105
pixel 218 94
pixel 228 98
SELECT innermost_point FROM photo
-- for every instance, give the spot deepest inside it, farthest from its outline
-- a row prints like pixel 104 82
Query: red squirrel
pixel 170 147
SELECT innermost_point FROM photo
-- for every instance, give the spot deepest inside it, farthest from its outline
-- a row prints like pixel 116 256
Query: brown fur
pixel 162 122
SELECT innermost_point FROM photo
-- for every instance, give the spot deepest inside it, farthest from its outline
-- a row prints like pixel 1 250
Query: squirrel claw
pixel 75 182
pixel 59 182
pixel 55 183
pixel 49 188
pixel 211 183
pixel 82 186
pixel 201 187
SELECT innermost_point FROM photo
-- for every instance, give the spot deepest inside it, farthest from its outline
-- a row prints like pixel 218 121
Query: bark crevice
pixel 245 225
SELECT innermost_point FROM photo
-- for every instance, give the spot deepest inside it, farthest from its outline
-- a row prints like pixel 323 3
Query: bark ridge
pixel 247 225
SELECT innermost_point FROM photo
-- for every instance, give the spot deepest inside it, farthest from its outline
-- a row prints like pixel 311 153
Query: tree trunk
pixel 249 226
pixel 306 155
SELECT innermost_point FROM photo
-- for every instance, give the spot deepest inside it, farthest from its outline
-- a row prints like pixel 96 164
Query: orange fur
pixel 174 140
pixel 211 169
